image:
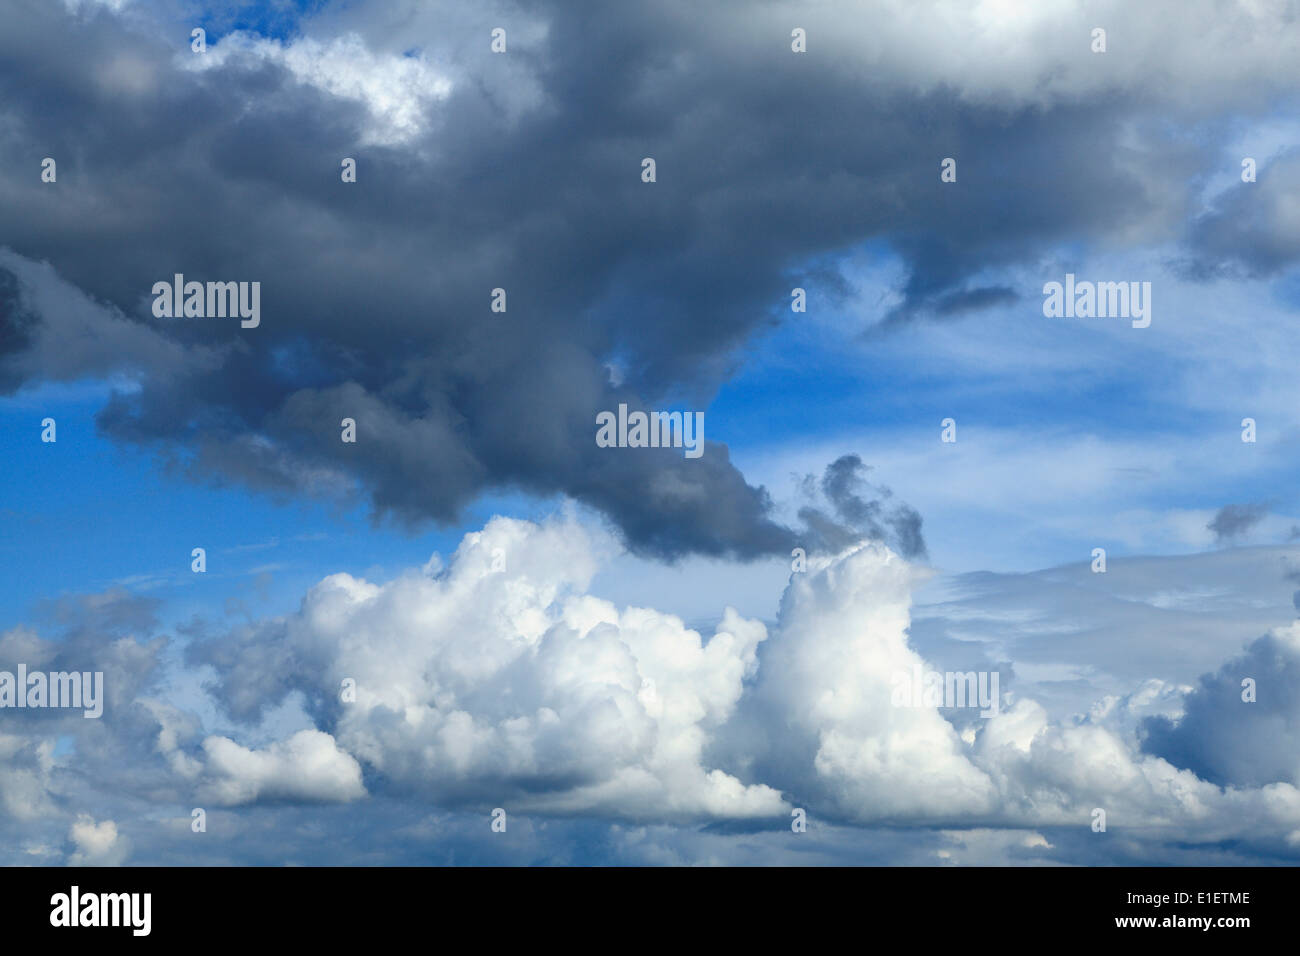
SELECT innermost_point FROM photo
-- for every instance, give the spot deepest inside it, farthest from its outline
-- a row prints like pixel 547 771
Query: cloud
pixel 1232 521
pixel 863 512
pixel 308 766
pixel 398 91
pixel 827 678
pixel 25 766
pixel 1231 742
pixel 499 680
pixel 50 331
pixel 53 761
pixel 516 684
pixel 520 171
pixel 1254 227
pixel 96 844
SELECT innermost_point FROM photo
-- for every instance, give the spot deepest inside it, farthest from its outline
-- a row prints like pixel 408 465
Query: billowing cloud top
pixel 502 682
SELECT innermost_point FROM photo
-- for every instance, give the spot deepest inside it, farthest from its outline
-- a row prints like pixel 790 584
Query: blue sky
pixel 89 516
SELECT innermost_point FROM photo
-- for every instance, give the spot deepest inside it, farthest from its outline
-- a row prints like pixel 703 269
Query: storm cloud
pixel 522 172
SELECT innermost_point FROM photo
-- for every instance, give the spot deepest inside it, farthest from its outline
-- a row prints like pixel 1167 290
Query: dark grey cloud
pixel 1230 741
pixel 1230 521
pixel 16 325
pixel 860 511
pixel 116 634
pixel 971 300
pixel 1250 231
pixel 375 295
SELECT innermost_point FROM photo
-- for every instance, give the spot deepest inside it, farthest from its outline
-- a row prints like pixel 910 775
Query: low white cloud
pixel 96 844
pixel 25 765
pixel 398 91
pixel 308 766
pixel 501 681
pixel 828 676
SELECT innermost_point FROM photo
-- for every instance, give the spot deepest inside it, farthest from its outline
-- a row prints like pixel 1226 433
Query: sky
pixel 644 657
